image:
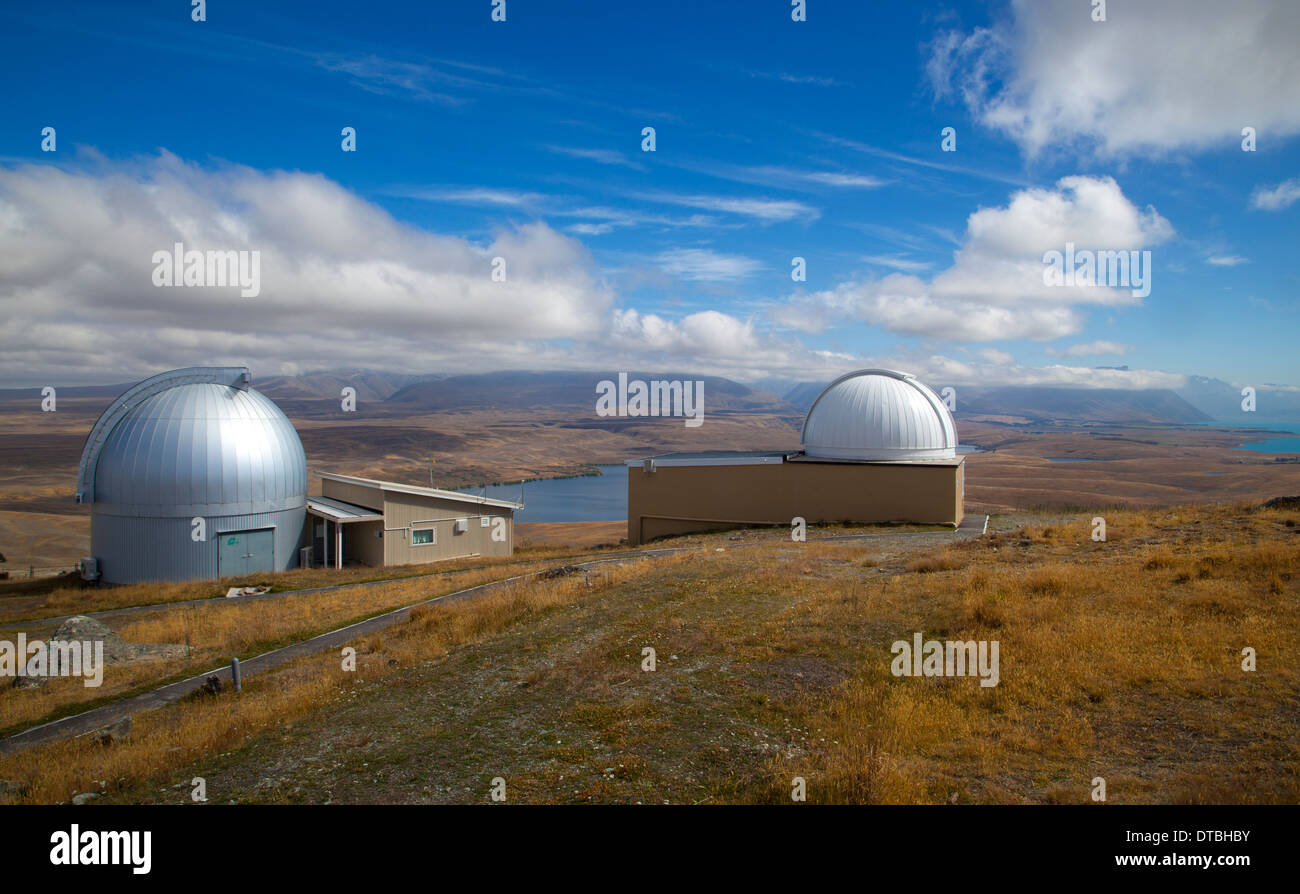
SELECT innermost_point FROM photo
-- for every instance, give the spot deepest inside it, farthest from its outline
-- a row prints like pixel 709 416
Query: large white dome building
pixel 193 444
pixel 878 446
pixel 879 415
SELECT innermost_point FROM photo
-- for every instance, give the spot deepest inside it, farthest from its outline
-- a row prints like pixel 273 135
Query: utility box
pixel 462 525
pixel 90 568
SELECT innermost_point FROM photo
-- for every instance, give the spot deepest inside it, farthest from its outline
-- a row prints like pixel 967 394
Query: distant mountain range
pixel 514 390
pixel 1222 401
pixel 1042 403
pixel 1200 400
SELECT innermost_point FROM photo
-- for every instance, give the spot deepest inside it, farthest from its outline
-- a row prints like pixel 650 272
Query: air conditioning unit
pixel 304 557
pixel 462 525
pixel 90 568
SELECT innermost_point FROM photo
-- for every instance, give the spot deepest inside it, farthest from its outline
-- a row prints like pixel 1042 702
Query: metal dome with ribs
pixel 880 415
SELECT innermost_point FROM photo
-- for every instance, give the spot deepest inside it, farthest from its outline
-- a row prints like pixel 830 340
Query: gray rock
pixel 86 629
pixel 82 629
pixel 26 682
pixel 116 732
pixel 84 797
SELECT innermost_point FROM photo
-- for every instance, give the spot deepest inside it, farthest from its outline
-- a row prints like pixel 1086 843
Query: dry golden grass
pixel 69 597
pixel 945 561
pixel 221 629
pixel 173 736
pixel 774 663
pixel 1121 647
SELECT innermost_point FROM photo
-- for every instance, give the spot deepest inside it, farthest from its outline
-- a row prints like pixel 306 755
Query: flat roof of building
pixel 421 491
pixel 339 511
pixel 716 458
pixel 762 458
pixel 804 458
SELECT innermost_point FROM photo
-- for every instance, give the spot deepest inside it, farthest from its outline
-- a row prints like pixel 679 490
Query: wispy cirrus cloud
pixel 706 265
pixel 600 156
pixel 1227 260
pixel 784 177
pixel 603 219
pixel 897 262
pixel 762 209
pixel 1090 349
pixel 1284 195
pixel 787 77
pixel 474 195
pixel 868 149
pixel 592 220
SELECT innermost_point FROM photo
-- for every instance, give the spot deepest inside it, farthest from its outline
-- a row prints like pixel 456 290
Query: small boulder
pixel 81 628
pixel 113 733
pixel 84 798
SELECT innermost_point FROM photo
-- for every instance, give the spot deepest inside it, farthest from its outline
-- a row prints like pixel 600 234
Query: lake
pixel 600 497
pixel 1289 443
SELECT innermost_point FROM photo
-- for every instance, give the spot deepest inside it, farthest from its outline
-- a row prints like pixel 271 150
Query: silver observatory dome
pixel 879 415
pixel 195 443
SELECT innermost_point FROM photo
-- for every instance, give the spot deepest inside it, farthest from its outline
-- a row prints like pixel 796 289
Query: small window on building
pixel 423 536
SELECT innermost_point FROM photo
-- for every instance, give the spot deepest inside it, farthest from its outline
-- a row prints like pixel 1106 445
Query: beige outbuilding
pixel 878 446
pixel 360 520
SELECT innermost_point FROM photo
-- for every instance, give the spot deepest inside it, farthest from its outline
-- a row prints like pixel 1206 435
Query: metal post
pixel 338 558
pixel 234 675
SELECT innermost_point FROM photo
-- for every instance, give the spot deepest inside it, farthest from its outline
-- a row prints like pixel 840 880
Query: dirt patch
pixel 797 675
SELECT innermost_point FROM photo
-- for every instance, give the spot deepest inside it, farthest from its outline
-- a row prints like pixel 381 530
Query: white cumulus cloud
pixel 1141 81
pixel 995 287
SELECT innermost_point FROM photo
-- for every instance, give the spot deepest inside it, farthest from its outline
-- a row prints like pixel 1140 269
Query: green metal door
pixel 245 552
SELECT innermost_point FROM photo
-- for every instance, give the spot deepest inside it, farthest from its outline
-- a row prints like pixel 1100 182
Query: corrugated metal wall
pixel 134 549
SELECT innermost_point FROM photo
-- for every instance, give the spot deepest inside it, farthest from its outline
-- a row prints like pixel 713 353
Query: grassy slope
pixel 1119 659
